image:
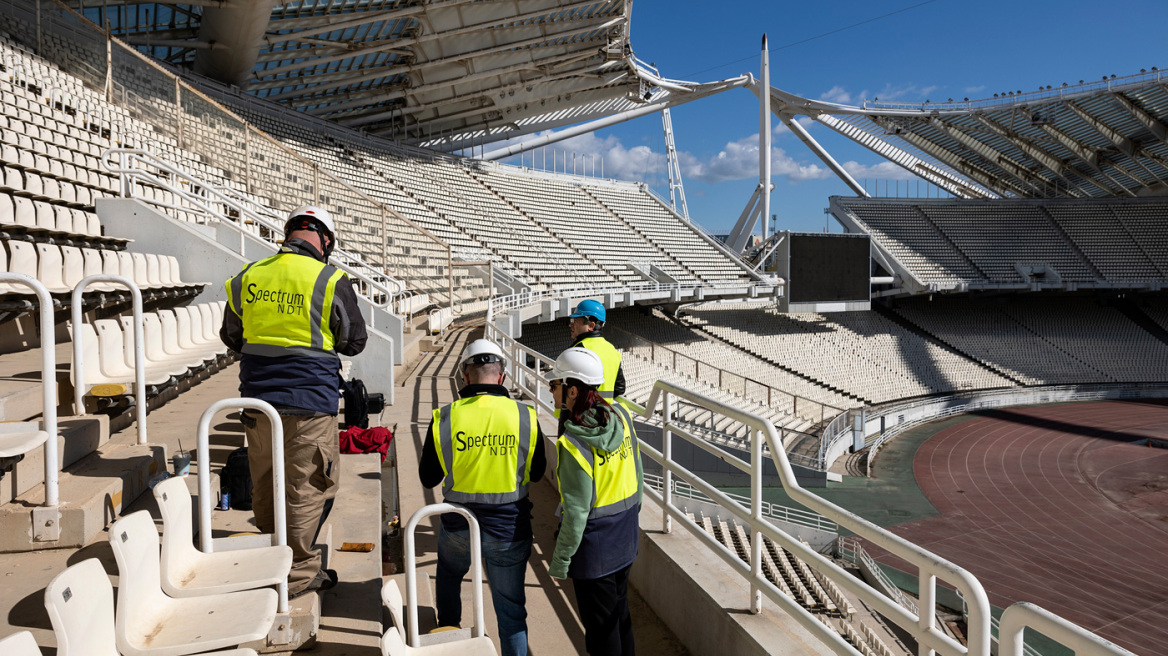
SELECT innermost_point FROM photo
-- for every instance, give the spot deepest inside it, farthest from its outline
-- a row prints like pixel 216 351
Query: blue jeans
pixel 505 566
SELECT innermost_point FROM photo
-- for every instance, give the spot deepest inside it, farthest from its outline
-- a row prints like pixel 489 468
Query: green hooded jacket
pixel 576 487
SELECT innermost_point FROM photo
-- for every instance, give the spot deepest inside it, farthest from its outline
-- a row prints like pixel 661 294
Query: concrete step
pixel 93 492
pixel 351 612
pixel 20 381
pixel 348 617
pixel 77 438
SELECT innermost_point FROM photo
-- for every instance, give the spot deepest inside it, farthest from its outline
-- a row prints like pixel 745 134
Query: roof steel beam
pixel 951 159
pixel 1125 145
pixel 1031 150
pixel 334 80
pixel 497 21
pixel 554 90
pixel 581 81
pixel 361 98
pixel 1128 147
pixel 1088 155
pixel 1152 123
pixel 554 62
pixel 487 126
pixel 154 36
pixel 944 179
pixel 94 4
pixel 663 102
pixel 1015 169
pixel 324 24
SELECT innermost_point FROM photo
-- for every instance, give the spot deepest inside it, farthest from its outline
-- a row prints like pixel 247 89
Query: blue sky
pixel 937 50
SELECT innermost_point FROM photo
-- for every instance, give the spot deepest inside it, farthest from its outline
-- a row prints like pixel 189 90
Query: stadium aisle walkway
pixel 554 626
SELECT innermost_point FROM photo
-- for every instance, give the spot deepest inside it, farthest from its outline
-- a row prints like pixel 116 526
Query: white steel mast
pixel 676 187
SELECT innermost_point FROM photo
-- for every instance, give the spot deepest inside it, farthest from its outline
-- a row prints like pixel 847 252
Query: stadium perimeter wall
pixel 881 424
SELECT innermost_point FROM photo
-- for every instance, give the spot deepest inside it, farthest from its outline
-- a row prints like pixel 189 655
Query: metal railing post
pixel 48 380
pixel 756 520
pixel 1022 615
pixel 475 568
pixel 667 453
pixel 79 387
pixel 279 508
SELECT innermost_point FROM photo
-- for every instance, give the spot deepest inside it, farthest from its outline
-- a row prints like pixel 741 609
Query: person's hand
pixel 558 571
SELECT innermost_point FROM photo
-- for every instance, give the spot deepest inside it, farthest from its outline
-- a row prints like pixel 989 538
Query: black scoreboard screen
pixel 829 268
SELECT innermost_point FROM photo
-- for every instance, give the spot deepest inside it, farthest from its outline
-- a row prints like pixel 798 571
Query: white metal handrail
pixel 476 567
pixel 777 511
pixel 771 390
pixel 280 517
pixel 48 380
pixel 500 304
pixel 79 387
pixel 126 158
pixel 1022 615
pixel 923 627
pixel 922 624
pixel 859 556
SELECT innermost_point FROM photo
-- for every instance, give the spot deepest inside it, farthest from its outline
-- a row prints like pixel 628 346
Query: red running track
pixel 1053 505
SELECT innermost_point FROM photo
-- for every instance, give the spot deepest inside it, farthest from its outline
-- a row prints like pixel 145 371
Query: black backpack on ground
pixel 359 403
pixel 235 479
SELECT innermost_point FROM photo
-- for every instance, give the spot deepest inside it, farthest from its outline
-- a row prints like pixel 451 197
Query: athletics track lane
pixel 1054 505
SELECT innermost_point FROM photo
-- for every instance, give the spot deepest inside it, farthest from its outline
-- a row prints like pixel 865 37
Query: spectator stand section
pixel 1025 244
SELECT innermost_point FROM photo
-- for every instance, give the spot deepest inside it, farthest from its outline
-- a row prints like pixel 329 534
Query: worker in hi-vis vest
pixel 599 475
pixel 585 323
pixel 485 448
pixel 291 316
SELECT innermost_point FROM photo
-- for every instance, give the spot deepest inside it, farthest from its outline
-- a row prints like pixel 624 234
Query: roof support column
pixel 764 137
pixel 820 152
pixel 236 32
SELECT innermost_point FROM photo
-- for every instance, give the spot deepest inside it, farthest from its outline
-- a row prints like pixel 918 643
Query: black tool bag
pixel 359 403
pixel 235 479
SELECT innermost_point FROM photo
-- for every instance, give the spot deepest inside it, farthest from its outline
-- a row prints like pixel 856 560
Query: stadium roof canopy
pixel 1107 138
pixel 445 74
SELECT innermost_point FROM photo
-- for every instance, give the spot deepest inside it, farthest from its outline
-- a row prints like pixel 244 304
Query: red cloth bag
pixel 366 440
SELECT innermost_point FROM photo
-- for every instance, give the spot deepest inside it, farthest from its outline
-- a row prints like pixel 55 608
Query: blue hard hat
pixel 589 308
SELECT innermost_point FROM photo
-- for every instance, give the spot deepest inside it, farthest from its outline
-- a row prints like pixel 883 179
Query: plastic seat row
pixel 41 220
pixel 179 602
pixel 175 343
pixel 61 268
pixel 61 190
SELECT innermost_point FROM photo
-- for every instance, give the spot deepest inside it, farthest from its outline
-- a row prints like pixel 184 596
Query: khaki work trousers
pixel 312 470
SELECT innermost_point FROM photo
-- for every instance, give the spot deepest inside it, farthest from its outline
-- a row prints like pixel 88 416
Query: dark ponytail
pixel 587 398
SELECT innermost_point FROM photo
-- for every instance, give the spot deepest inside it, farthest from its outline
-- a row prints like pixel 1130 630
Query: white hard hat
pixel 482 351
pixel 318 213
pixel 579 363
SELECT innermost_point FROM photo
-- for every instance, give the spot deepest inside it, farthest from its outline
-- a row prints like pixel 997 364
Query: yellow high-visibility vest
pixel 615 475
pixel 609 357
pixel 485 444
pixel 284 302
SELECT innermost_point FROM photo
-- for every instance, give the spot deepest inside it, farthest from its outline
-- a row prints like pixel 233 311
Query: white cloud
pixel 980 87
pixel 836 94
pixel 903 92
pixel 881 171
pixel 739 160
